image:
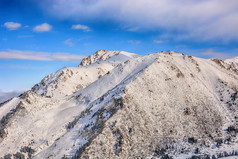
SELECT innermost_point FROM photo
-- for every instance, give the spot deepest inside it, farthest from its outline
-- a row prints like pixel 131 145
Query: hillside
pixel 121 105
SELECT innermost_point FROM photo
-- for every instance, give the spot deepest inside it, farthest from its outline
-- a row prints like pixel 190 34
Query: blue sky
pixel 40 37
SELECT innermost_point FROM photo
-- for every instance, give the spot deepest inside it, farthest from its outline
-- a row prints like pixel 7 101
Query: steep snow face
pixel 43 121
pixel 71 79
pixel 105 92
pixel 152 106
pixel 5 108
pixel 150 103
pixel 175 105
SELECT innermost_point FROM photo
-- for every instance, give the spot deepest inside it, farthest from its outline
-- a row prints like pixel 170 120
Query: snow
pixel 8 106
pixel 120 74
pixel 155 90
pixel 234 60
pixel 71 79
pixel 53 114
pixel 94 91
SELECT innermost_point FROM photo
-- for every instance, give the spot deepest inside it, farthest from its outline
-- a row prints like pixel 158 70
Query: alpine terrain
pixel 122 105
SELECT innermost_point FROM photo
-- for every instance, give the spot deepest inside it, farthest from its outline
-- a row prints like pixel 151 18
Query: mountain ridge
pixel 90 69
pixel 157 105
pixel 232 60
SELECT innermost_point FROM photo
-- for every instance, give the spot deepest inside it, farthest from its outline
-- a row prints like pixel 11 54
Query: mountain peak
pixel 120 105
pixel 100 54
pixel 71 79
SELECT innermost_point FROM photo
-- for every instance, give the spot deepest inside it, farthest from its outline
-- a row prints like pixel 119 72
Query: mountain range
pixel 116 104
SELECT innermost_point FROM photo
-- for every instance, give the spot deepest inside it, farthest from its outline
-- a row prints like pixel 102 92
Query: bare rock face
pixel 93 58
pixel 163 105
pixel 98 56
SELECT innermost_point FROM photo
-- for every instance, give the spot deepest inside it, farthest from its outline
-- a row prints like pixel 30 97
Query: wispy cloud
pixel 134 41
pixel 73 41
pixel 42 28
pixel 23 67
pixel 12 25
pixel 6 95
pixel 194 19
pixel 181 46
pixel 211 53
pixel 158 41
pixel 69 42
pixel 87 44
pixel 39 56
pixel 131 29
pixel 81 27
pixel 25 36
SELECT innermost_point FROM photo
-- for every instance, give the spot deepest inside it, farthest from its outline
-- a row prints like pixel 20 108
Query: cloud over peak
pixel 42 28
pixel 204 19
pixel 12 25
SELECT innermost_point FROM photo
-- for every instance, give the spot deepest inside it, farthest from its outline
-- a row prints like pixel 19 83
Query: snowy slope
pixel 152 106
pixel 71 79
pixel 232 60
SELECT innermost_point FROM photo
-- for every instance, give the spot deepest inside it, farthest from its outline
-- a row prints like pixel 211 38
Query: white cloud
pixel 81 27
pixel 39 56
pixel 12 25
pixel 193 19
pixel 42 28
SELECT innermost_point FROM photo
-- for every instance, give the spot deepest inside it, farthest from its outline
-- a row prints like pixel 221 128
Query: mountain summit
pixel 71 79
pixel 122 105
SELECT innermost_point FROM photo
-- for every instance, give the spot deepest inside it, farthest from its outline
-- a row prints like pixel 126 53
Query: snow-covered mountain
pixel 122 105
pixel 71 79
pixel 232 60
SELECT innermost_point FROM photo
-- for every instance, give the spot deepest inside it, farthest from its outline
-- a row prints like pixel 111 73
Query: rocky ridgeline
pixel 164 105
pixel 68 80
pixel 98 56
